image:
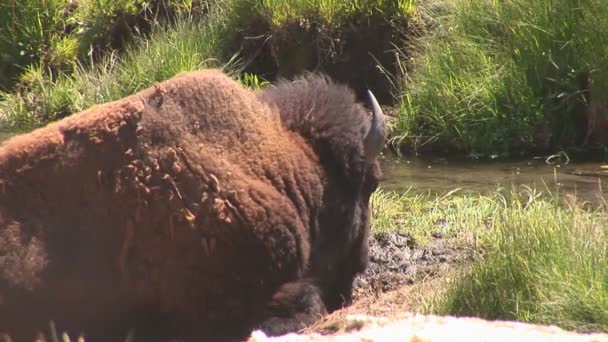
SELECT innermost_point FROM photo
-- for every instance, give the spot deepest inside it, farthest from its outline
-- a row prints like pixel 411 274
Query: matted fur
pixel 194 208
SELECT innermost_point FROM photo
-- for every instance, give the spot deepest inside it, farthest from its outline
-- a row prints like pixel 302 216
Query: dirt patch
pixel 395 261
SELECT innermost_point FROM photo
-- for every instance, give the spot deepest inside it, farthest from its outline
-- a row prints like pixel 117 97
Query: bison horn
pixel 374 141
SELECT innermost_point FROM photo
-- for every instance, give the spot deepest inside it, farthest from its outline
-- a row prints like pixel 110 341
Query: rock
pixel 417 327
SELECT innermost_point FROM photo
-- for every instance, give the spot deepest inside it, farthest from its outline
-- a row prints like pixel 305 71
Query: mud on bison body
pixel 194 209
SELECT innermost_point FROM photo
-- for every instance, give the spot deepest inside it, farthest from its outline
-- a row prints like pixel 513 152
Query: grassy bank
pixel 45 93
pixel 259 34
pixel 54 35
pixel 182 47
pixel 508 77
pixel 488 78
pixel 544 258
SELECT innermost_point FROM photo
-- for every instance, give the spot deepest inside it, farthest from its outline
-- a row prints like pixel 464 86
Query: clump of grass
pixel 53 35
pixel 252 81
pixel 184 46
pixel 332 12
pixel 544 263
pixel 506 76
pixel 26 28
pixel 421 215
pixel 281 38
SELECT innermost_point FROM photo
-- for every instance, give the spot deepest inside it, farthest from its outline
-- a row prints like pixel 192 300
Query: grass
pixel 50 87
pixel 332 12
pixel 544 258
pixel 283 37
pixel 26 28
pixel 499 77
pixel 184 46
pixel 46 92
pixel 55 34
pixel 461 218
pixel 488 78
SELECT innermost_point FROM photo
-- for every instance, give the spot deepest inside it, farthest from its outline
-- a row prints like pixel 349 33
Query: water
pixel 439 176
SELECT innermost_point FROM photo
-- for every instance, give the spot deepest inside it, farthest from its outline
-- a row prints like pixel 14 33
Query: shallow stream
pixel 587 180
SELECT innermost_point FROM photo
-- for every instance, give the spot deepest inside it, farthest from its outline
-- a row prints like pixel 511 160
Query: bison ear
pixel 374 140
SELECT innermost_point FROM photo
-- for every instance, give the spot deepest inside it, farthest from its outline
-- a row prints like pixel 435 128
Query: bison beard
pixel 194 209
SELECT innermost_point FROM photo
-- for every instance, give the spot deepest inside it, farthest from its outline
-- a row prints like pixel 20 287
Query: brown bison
pixel 194 209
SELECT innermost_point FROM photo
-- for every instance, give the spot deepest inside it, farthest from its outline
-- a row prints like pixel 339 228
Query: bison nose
pixel 339 296
pixel 339 301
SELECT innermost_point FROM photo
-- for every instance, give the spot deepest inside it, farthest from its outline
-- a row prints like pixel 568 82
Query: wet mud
pixel 396 260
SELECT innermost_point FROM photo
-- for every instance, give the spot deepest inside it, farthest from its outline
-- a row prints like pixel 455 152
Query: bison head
pixel 347 142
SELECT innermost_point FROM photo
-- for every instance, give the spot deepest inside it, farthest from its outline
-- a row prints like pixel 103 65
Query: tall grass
pixel 184 46
pixel 46 94
pixel 544 263
pixel 501 76
pixel 331 12
pixel 301 31
pixel 26 28
pixel 54 34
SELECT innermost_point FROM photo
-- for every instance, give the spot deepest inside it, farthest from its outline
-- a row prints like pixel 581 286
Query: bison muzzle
pixel 194 209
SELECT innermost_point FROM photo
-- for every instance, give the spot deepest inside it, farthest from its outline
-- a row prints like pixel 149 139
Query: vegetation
pixel 506 76
pixel 58 84
pixel 485 78
pixel 75 59
pixel 323 21
pixel 173 50
pixel 544 259
pixel 545 264
pixel 334 13
pixel 53 34
pixel 422 215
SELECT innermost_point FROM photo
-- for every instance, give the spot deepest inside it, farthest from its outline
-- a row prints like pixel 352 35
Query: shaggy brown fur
pixel 195 208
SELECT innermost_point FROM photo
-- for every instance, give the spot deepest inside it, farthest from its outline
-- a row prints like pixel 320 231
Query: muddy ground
pixel 395 260
pixel 398 267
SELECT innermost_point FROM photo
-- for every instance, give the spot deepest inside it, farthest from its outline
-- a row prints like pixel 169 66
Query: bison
pixel 194 209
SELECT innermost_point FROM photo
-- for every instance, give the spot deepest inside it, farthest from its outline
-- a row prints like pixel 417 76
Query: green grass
pixel 488 77
pixel 499 77
pixel 46 92
pixel 461 218
pixel 544 257
pixel 293 35
pixel 332 12
pixel 26 29
pixel 187 45
pixel 54 34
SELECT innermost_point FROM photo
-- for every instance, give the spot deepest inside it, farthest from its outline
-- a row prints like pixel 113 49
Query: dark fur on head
pixel 326 115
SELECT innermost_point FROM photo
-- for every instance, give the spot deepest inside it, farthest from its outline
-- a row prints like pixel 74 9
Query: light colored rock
pixel 423 328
